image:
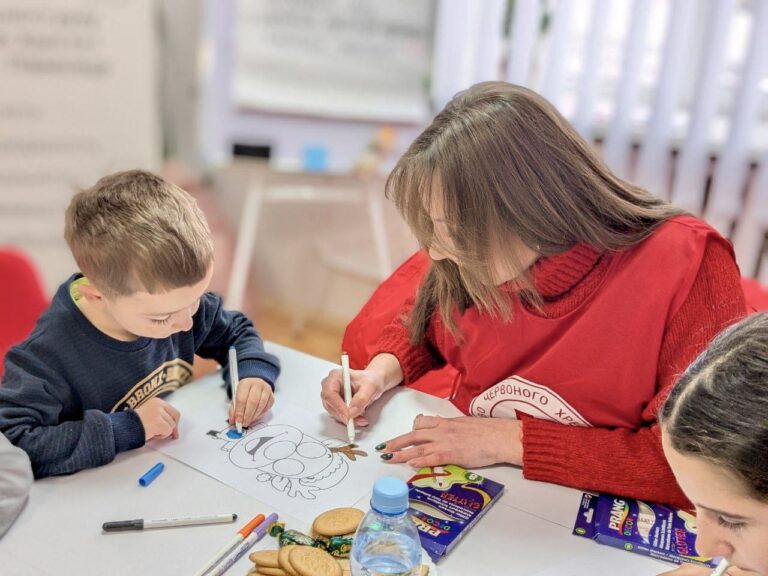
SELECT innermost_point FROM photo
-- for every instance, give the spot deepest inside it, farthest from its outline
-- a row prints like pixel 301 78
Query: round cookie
pixel 338 521
pixel 271 571
pixel 308 561
pixel 346 569
pixel 265 558
pixel 284 560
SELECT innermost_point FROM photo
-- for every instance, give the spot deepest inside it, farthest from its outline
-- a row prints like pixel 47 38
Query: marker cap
pixel 151 474
pixel 123 525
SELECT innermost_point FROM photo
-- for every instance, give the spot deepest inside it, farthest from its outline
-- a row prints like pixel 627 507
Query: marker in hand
pixel 347 395
pixel 234 378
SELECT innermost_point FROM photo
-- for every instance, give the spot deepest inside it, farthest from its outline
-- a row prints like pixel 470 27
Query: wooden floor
pixel 320 337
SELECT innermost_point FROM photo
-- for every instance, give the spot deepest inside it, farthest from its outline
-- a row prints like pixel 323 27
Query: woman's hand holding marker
pixel 465 441
pixel 382 374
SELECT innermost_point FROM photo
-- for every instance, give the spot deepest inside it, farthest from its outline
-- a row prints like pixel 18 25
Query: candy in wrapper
pixel 286 537
pixel 297 538
pixel 336 546
pixel 276 528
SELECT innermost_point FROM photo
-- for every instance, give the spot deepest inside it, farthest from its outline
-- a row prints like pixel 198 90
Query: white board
pixel 337 58
pixel 78 100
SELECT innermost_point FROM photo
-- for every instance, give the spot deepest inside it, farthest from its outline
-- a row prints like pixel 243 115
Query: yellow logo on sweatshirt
pixel 170 376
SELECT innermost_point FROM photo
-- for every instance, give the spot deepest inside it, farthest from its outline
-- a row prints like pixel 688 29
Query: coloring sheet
pixel 294 460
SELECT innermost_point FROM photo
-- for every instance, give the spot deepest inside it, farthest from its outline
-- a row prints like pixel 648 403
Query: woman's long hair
pixel 505 166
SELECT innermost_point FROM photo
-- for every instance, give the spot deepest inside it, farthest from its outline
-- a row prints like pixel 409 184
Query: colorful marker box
pixel 446 501
pixel 654 530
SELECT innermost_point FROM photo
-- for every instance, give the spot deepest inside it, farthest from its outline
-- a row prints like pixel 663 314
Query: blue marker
pixel 151 474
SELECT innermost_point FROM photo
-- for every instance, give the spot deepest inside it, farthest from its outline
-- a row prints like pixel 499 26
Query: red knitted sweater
pixel 623 461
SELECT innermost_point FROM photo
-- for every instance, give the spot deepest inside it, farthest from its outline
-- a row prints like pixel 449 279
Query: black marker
pixel 141 524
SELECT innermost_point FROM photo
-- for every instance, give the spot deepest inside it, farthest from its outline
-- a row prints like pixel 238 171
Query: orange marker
pixel 244 532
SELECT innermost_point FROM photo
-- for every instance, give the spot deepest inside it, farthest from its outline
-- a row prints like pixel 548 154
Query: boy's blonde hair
pixel 134 231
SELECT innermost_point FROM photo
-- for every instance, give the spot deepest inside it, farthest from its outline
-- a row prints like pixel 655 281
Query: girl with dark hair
pixel 564 301
pixel 715 436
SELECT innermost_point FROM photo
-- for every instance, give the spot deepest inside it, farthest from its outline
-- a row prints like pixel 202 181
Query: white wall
pixel 78 100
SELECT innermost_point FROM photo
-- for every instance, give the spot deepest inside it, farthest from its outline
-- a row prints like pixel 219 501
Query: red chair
pixel 755 294
pixel 22 299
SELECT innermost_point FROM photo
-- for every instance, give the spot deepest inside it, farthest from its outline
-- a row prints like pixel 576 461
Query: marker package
pixel 445 502
pixel 654 530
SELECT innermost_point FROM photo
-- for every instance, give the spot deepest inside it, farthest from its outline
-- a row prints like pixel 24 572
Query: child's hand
pixel 254 398
pixel 159 418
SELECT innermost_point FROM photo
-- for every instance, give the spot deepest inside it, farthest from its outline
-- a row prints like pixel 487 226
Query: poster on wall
pixel 337 58
pixel 79 99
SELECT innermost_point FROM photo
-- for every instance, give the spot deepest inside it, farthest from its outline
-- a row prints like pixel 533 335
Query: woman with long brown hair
pixel 564 300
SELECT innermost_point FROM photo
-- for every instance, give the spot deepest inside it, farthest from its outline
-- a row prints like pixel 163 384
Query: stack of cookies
pixel 295 560
pixel 328 555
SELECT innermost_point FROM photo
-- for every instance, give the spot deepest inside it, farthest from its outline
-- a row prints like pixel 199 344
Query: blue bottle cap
pixel 390 496
pixel 151 474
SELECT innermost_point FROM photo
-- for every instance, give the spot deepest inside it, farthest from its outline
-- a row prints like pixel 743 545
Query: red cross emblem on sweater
pixel 516 395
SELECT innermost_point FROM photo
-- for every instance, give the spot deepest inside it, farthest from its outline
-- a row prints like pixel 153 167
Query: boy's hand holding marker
pixel 253 398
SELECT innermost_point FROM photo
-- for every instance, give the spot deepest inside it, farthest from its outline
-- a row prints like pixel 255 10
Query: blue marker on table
pixel 151 474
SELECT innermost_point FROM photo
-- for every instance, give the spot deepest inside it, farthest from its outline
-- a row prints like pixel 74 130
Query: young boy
pixel 86 384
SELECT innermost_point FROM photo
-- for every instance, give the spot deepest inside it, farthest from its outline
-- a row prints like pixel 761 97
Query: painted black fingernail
pixel 387 456
pixel 381 446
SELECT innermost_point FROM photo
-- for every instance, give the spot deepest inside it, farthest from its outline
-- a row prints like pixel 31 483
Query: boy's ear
pixel 90 292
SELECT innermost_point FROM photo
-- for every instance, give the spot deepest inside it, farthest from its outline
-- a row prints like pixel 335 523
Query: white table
pixel 527 533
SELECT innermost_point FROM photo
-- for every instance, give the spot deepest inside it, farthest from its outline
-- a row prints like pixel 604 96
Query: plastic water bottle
pixel 387 542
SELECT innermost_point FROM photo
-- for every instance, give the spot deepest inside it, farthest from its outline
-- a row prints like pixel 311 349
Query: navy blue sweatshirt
pixel 69 391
